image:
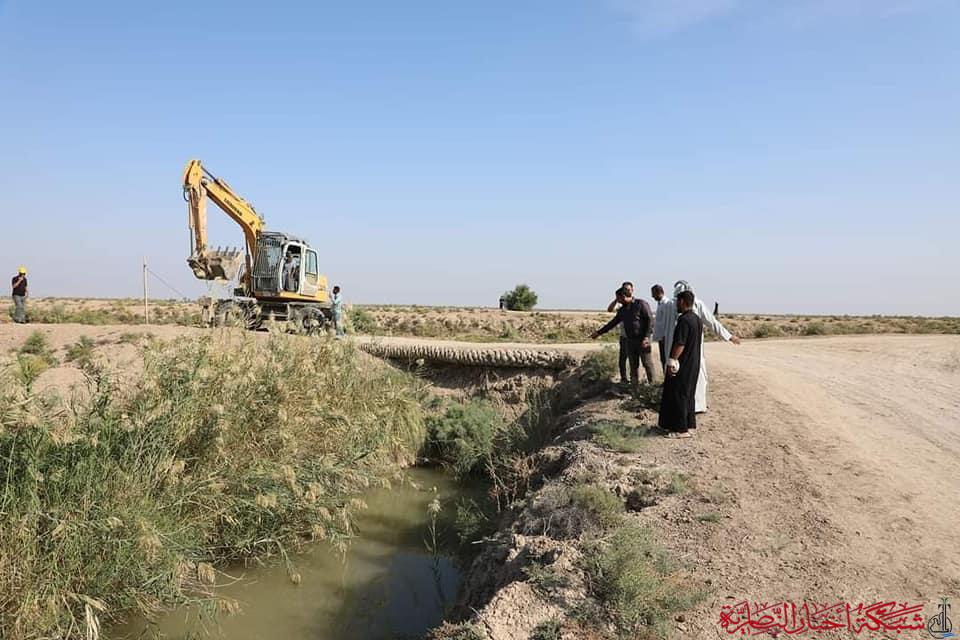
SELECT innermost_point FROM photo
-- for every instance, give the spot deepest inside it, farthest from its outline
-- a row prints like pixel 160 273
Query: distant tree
pixel 522 298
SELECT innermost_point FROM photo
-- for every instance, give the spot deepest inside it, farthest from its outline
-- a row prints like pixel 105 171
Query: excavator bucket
pixel 216 265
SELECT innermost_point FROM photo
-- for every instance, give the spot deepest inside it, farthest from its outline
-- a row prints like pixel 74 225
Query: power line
pixel 164 282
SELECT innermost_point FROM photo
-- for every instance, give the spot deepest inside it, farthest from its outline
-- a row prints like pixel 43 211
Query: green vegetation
pixel 636 584
pixel 644 397
pixel 465 435
pixel 106 312
pixel 509 333
pixel 361 321
pixel 522 298
pixel 710 516
pixel 224 449
pixel 28 369
pixel 36 345
pixel 599 366
pixel 33 358
pixel 545 580
pixel 816 329
pixel 133 337
pixel 81 352
pixel 548 630
pixel 449 631
pixel 472 521
pixel 767 331
pixel 605 507
pixel 617 436
pixel 677 485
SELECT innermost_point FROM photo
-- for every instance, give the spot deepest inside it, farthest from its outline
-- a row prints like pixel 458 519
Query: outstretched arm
pixel 612 306
pixel 610 325
pixel 715 325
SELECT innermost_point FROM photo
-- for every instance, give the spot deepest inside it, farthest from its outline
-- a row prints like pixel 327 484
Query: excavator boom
pixel 219 264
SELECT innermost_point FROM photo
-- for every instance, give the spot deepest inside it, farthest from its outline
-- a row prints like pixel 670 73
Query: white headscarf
pixel 680 286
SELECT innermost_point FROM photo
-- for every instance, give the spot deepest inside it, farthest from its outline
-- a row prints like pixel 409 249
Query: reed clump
pixel 225 448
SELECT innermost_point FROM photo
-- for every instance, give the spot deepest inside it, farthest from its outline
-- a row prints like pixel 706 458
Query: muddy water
pixel 388 586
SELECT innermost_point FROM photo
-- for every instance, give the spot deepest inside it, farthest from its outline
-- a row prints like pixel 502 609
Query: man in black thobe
pixel 635 317
pixel 678 407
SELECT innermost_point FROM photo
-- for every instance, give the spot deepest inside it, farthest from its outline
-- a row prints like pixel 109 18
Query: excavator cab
pixel 285 266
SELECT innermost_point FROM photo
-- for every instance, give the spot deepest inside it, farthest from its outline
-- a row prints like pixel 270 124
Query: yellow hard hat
pixel 22 270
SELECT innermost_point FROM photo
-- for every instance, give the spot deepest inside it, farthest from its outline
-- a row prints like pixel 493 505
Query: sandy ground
pixel 837 458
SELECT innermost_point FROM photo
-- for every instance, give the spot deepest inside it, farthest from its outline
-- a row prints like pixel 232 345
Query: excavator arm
pixel 207 264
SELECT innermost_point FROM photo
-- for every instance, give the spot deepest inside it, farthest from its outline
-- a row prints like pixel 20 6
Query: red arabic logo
pixel 761 618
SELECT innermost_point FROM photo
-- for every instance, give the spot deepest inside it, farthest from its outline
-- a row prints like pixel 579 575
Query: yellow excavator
pixel 279 279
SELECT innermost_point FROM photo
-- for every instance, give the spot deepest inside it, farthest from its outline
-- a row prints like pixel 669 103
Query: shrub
pixel 677 484
pixel 81 352
pixel 545 580
pixel 547 630
pixel 522 298
pixel 464 436
pixel 636 583
pixel 36 345
pixel 471 522
pixel 646 397
pixel 767 331
pixel 29 368
pixel 448 631
pixel 617 436
pixel 599 366
pixel 119 505
pixel 133 337
pixel 816 328
pixel 605 507
pixel 362 321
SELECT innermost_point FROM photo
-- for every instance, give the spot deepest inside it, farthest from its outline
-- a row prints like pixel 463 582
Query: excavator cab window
pixel 311 273
pixel 292 266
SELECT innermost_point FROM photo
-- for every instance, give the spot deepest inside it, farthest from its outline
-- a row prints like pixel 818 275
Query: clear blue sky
pixel 792 156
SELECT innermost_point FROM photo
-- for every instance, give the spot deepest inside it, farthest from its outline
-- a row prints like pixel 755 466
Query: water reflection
pixel 390 586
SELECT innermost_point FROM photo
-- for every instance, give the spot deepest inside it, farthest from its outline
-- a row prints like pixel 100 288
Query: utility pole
pixel 146 308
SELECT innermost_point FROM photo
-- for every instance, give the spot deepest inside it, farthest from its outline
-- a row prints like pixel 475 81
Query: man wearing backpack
pixel 637 321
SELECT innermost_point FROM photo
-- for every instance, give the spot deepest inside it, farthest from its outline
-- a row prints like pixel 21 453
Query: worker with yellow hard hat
pixel 20 296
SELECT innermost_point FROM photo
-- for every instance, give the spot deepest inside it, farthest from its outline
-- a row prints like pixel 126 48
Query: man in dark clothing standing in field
pixel 637 321
pixel 678 408
pixel 624 347
pixel 19 283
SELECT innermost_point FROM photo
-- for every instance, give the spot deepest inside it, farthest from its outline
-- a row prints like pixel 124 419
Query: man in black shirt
pixel 19 283
pixel 624 346
pixel 678 407
pixel 637 321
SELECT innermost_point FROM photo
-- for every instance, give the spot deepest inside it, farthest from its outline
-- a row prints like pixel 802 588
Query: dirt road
pixel 839 458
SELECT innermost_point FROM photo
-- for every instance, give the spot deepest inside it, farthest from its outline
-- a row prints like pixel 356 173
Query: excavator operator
pixel 291 271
